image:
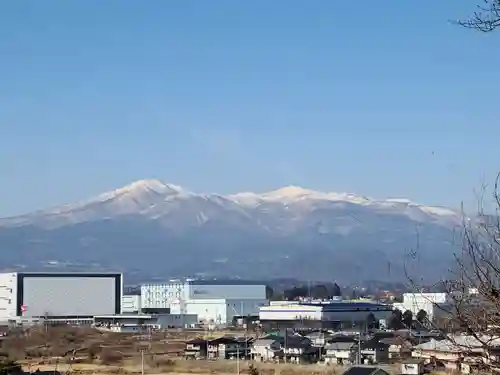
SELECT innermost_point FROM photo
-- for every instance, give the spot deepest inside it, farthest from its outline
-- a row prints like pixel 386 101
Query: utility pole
pixel 359 344
pixel 142 361
pixel 238 358
pixel 359 348
pixel 284 351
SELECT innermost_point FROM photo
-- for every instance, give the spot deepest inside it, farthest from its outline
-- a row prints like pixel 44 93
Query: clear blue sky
pixel 386 99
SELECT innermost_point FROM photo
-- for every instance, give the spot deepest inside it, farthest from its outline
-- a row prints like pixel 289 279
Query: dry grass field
pixel 89 351
pixel 182 367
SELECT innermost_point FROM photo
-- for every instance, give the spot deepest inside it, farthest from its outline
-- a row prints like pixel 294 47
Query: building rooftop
pixel 124 316
pixel 225 282
pixel 336 306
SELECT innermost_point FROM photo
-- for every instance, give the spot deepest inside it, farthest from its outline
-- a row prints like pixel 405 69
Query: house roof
pixel 340 346
pixel 342 338
pixel 396 341
pixel 318 333
pixel 264 342
pixel 459 343
pixel 291 341
pixel 365 370
pixel 197 341
pixel 373 343
pixel 223 340
pixel 295 342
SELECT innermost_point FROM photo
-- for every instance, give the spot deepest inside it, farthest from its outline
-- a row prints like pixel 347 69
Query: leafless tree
pixel 473 287
pixel 486 18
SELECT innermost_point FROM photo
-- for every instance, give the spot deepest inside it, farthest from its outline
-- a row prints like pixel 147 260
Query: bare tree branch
pixel 486 18
pixel 473 285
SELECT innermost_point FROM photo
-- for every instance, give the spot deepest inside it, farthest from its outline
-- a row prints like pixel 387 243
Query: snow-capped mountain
pixel 245 233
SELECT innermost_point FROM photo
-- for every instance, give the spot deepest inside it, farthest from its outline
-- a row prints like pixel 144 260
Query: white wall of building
pixel 176 320
pixel 131 303
pixel 291 312
pixel 157 296
pixel 71 295
pixel 8 295
pixel 208 311
pixel 166 294
pixel 59 294
pixel 431 303
pixel 218 311
pixel 348 312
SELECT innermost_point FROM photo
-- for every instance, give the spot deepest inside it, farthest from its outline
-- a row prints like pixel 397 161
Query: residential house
pixel 297 349
pixel 365 370
pixel 196 349
pixel 319 338
pixel 228 347
pixel 266 349
pixel 399 347
pixel 290 348
pixel 460 353
pixel 374 351
pixel 341 353
pixel 412 366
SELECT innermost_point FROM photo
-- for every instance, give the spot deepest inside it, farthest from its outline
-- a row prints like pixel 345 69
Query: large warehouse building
pixel 59 296
pixel 214 301
pixel 321 314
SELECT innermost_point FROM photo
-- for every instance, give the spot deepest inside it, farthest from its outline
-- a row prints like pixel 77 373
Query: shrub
pixel 110 357
pixel 8 366
pixel 163 362
pixel 252 370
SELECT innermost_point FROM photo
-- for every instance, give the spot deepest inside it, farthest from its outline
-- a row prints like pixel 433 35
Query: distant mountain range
pixel 150 229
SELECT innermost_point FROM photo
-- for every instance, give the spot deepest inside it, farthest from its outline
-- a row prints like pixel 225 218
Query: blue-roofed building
pixel 321 314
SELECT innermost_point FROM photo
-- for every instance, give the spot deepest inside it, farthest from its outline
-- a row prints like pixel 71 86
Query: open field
pixel 89 345
pixel 182 367
pixel 89 351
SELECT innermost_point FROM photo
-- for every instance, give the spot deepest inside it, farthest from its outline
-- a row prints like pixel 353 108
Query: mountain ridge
pixel 290 231
pixel 153 188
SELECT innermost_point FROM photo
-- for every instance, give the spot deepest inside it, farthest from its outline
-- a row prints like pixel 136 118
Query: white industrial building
pixel 144 322
pixel 131 303
pixel 434 304
pixel 213 301
pixel 59 296
pixel 327 314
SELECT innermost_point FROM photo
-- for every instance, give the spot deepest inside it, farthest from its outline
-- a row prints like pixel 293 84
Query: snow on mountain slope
pixel 290 194
pixel 154 199
pixel 288 231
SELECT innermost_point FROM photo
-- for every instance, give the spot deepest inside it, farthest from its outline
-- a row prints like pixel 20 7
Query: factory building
pixel 434 304
pixel 59 296
pixel 321 314
pixel 213 301
pixel 131 303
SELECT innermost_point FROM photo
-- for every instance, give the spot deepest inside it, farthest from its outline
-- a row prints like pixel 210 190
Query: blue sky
pixel 386 99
